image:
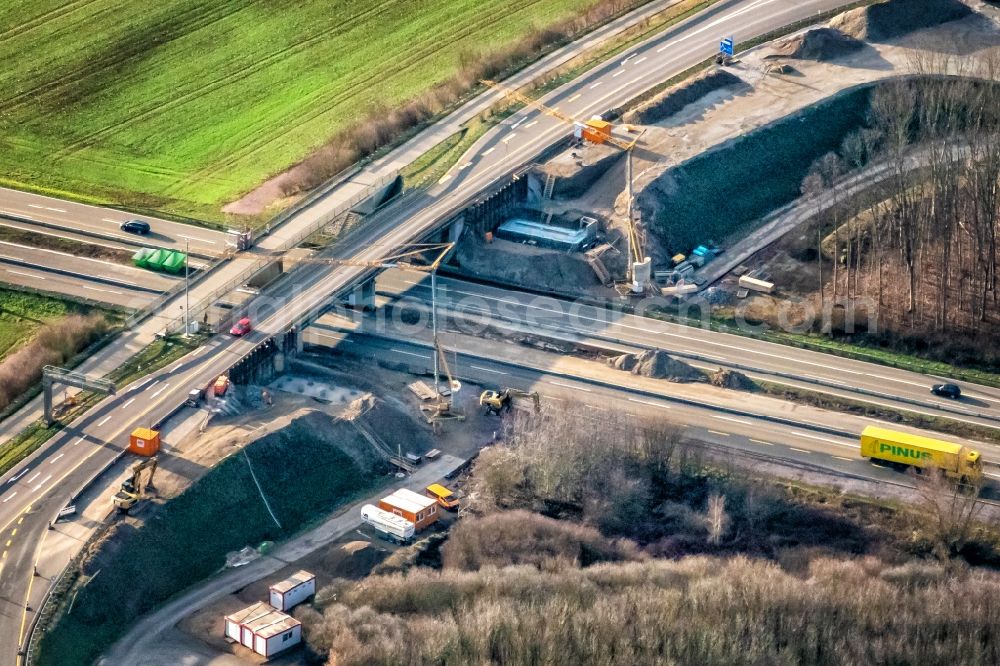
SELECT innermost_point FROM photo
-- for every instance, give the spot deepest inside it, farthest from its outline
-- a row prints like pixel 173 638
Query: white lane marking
pixel 533 122
pixel 901 381
pixel 650 403
pixel 197 351
pixel 161 390
pixel 33 477
pixel 595 85
pixel 22 473
pixel 618 73
pixel 517 124
pixel 53 461
pixel 108 219
pixel 729 418
pixel 642 59
pixel 760 441
pixel 195 238
pixel 510 136
pixel 42 483
pixel 846 459
pixel 36 206
pixel 106 291
pixel 826 439
pixel 792 448
pixel 465 166
pixel 574 98
pixel 495 372
pixel 9 497
pixel 78 440
pixel 575 388
pixel 130 401
pixel 995 476
pixel 636 80
pixel 36 277
pixel 400 351
pixel 487 152
pixel 104 420
pixel 716 432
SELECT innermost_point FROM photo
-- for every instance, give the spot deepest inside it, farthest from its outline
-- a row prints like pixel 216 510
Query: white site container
pixel 263 629
pixel 292 591
pixel 393 527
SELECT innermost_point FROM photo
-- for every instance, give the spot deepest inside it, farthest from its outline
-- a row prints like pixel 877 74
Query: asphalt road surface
pixel 473 303
pixel 76 220
pixel 72 456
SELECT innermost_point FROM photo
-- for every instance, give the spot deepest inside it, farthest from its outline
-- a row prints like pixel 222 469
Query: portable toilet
pixel 144 442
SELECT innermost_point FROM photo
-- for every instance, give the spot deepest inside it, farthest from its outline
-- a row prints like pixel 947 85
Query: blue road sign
pixel 726 46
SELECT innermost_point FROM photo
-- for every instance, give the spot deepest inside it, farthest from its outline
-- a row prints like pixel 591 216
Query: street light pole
pixel 434 328
pixel 187 302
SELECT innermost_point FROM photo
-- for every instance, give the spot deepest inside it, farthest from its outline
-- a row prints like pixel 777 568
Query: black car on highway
pixel 136 227
pixel 947 391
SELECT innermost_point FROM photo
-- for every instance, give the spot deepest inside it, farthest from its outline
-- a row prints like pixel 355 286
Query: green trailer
pixel 175 262
pixel 141 258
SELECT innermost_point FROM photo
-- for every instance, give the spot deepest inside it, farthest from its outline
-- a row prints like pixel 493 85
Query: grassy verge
pixel 859 408
pixel 67 245
pixel 160 353
pixel 302 477
pixel 23 313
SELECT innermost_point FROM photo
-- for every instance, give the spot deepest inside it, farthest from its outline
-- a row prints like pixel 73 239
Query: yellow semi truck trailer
pixel 902 448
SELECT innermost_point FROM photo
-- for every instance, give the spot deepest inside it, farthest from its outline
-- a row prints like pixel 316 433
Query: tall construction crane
pixel 406 259
pixel 599 131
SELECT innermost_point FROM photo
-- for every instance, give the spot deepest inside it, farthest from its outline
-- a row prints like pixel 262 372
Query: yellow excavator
pixel 134 488
pixel 500 401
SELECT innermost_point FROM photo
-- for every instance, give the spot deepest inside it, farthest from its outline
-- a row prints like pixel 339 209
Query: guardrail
pixel 285 245
pixel 47 608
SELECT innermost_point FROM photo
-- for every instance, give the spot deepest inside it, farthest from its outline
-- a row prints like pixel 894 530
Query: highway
pixel 760 425
pixel 72 456
pixel 78 221
pixel 82 277
pixel 472 304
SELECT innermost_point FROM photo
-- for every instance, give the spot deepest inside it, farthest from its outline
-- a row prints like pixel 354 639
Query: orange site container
pixel 144 442
pixel 597 131
pixel 221 385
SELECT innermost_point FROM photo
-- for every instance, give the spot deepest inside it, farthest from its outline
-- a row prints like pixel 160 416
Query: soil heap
pixel 731 379
pixel 895 18
pixel 821 44
pixel 657 364
pixel 676 98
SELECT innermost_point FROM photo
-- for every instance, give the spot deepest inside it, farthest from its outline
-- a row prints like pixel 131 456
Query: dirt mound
pixel 731 379
pixel 676 98
pixel 657 364
pixel 514 263
pixel 896 18
pixel 821 44
pixel 393 428
pixel 353 560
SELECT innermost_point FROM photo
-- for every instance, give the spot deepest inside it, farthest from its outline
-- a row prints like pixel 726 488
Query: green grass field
pixel 182 106
pixel 22 314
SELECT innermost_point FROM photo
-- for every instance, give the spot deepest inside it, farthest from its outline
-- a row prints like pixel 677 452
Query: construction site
pixel 345 447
